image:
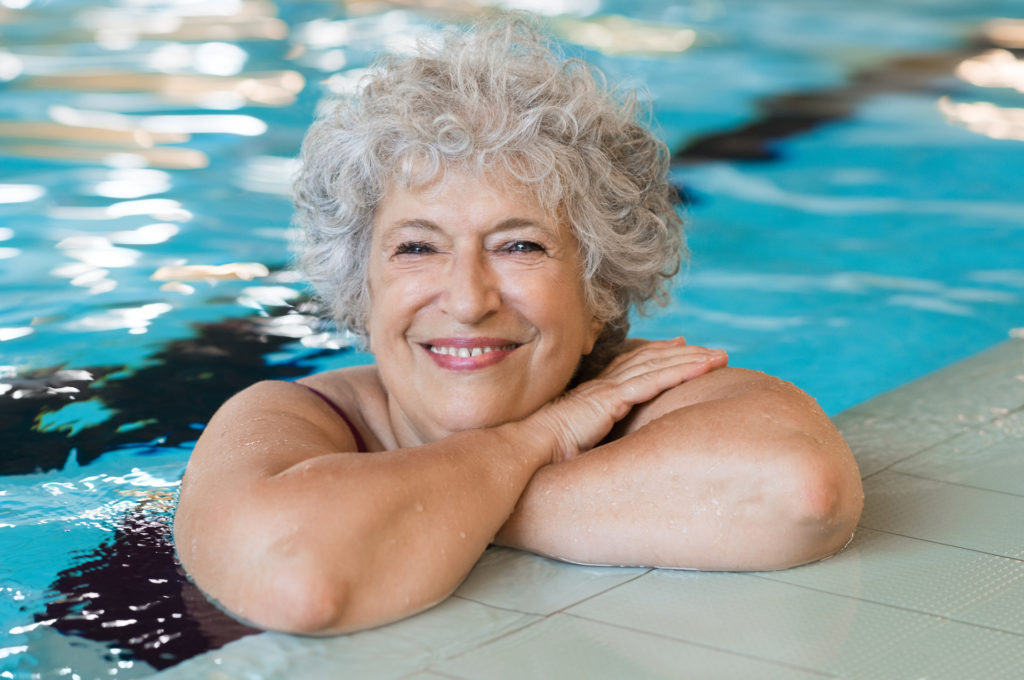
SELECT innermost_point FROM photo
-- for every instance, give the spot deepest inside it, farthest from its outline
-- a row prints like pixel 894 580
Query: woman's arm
pixel 733 470
pixel 282 523
pixel 287 527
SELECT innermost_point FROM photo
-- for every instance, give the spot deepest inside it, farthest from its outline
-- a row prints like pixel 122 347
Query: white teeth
pixel 465 352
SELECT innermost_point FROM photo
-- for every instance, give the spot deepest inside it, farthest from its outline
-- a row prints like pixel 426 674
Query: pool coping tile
pixel 528 583
pixel 951 514
pixel 955 583
pixel 565 646
pixel 771 620
pixel 396 650
pixel 989 457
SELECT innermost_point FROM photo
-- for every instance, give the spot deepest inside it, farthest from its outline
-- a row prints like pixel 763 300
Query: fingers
pixel 658 355
pixel 637 383
pixel 583 416
pixel 646 372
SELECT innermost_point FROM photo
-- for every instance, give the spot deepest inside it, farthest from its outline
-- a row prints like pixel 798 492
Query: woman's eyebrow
pixel 508 224
pixel 522 223
pixel 517 223
pixel 415 223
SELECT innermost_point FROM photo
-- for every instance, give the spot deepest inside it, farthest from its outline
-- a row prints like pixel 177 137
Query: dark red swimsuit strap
pixel 360 444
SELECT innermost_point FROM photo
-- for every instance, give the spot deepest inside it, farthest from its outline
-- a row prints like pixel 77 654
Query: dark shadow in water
pixel 134 576
pixel 167 401
pixel 133 580
pixel 793 113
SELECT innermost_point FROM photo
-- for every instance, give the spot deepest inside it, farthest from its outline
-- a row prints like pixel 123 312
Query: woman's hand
pixel 582 417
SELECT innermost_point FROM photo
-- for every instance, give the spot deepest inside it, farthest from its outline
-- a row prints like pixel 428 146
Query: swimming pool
pixel 853 181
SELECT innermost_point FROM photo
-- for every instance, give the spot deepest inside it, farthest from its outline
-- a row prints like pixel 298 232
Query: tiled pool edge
pixel 966 397
pixel 961 398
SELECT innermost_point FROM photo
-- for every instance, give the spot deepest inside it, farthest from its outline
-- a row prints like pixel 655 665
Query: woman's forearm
pixel 342 541
pixel 754 477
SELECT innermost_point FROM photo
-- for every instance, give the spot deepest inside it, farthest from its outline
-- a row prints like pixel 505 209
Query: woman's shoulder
pixel 355 388
pixel 346 387
pixel 335 402
pixel 356 395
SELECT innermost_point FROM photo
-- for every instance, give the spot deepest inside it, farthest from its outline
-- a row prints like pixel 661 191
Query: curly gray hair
pixel 497 98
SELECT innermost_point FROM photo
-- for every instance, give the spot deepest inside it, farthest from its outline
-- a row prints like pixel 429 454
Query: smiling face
pixel 477 313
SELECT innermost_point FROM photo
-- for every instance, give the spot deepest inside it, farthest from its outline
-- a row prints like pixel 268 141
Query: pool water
pixel 852 174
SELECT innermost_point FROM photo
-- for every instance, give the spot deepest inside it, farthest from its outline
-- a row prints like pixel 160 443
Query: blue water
pixel 878 238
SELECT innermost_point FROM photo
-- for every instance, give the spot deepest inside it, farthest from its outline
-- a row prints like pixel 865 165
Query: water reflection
pixel 13 334
pixel 985 118
pixel 214 58
pixel 277 88
pixel 133 319
pixel 150 234
pixel 125 137
pixel 994 68
pixel 620 35
pixel 19 193
pixel 469 7
pixel 215 20
pixel 243 271
pixel 131 183
pixel 167 158
pixel 164 209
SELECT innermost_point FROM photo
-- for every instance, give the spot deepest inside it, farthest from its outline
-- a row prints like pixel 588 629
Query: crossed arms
pixel 706 467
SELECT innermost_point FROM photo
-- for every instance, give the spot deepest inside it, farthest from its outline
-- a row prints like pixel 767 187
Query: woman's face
pixel 477 313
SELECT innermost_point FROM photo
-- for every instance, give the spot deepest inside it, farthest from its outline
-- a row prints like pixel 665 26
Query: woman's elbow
pixel 265 585
pixel 825 505
pixel 299 599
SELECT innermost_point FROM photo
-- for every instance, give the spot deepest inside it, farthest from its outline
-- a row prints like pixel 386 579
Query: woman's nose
pixel 471 292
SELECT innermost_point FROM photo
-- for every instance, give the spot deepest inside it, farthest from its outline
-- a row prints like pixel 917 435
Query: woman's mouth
pixel 462 354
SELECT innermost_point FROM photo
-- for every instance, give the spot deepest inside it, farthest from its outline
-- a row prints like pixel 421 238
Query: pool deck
pixel 932 585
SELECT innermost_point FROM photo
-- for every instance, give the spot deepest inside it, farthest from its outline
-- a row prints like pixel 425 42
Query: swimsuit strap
pixel 360 444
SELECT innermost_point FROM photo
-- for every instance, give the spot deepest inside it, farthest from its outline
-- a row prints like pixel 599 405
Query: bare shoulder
pixel 272 425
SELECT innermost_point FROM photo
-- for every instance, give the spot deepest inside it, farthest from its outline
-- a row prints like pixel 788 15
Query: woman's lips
pixel 466 354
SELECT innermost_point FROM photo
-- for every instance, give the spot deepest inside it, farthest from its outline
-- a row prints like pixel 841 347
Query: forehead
pixel 459 200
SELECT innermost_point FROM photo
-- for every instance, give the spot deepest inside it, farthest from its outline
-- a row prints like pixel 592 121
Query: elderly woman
pixel 486 215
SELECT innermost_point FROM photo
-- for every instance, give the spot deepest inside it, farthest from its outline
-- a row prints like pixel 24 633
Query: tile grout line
pixel 914 454
pixel 961 485
pixel 607 590
pixel 948 545
pixel 450 657
pixel 495 606
pixel 944 617
pixel 539 619
pixel 703 645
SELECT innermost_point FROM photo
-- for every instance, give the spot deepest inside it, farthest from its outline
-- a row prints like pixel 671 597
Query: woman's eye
pixel 414 248
pixel 524 247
